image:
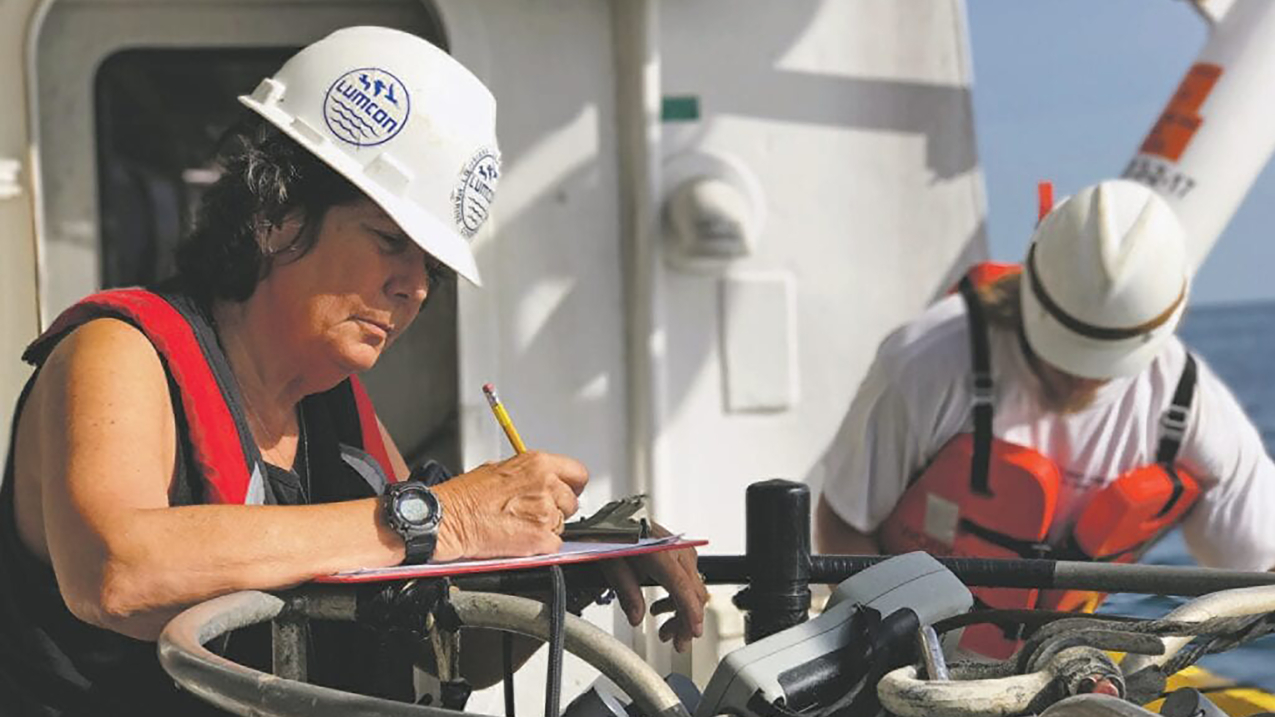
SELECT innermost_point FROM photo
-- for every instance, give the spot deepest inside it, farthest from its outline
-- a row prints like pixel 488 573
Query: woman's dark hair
pixel 266 176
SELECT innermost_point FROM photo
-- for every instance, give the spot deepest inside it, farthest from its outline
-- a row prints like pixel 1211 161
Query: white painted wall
pixel 545 327
pixel 855 118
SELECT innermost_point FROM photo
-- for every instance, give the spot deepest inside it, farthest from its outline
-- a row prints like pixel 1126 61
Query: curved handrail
pixel 650 693
pixel 244 691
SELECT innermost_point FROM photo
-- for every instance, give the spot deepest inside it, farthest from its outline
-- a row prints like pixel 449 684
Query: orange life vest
pixel 984 497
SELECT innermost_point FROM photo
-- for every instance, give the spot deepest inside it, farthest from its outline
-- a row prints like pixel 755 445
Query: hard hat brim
pixel 1088 357
pixel 440 241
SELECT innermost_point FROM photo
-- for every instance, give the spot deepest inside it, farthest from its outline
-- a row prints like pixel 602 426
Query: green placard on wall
pixel 680 109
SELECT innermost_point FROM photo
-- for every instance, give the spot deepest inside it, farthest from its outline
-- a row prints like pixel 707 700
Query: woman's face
pixel 348 298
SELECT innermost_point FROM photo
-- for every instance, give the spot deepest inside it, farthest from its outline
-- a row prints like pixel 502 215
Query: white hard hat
pixel 404 122
pixel 1106 281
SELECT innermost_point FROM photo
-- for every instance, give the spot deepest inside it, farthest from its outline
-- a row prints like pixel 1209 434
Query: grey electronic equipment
pixel 794 669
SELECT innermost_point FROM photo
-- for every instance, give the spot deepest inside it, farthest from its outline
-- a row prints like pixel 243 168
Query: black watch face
pixel 414 509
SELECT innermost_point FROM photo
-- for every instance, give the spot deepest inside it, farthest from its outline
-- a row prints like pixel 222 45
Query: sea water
pixel 1237 341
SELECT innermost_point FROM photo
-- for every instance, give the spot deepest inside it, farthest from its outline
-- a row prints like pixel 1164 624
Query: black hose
pixel 507 658
pixel 557 621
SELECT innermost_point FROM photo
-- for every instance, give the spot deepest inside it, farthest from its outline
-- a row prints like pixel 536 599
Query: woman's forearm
pixel 170 558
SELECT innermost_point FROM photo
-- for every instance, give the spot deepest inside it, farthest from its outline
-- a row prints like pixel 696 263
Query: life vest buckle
pixel 1174 422
pixel 1038 550
pixel 982 389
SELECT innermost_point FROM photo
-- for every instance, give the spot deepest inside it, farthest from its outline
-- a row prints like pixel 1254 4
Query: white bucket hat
pixel 404 122
pixel 1106 281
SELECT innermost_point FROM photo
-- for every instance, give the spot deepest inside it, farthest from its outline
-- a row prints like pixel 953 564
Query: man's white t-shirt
pixel 917 396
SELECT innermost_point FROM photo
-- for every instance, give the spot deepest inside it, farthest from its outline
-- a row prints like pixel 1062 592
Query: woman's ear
pixel 282 237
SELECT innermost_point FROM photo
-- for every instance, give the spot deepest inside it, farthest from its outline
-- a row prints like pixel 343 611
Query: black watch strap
pixel 420 548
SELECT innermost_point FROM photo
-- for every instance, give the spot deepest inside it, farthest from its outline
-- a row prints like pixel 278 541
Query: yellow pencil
pixel 502 417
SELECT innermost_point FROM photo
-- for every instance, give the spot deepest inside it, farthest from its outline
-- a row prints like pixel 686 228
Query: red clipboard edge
pixel 442 570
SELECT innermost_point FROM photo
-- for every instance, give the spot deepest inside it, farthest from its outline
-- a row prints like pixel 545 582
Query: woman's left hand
pixel 676 572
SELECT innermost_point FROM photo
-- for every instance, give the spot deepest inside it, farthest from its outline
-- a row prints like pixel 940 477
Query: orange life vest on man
pixel 984 497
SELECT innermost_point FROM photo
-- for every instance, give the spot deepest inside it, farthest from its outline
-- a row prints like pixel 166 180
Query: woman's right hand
pixel 512 508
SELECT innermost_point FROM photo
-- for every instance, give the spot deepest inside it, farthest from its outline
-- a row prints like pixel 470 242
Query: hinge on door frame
pixel 10 187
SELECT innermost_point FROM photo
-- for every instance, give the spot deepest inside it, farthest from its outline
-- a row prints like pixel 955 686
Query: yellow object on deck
pixel 1233 698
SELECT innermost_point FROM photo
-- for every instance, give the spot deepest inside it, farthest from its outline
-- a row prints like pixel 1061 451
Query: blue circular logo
pixel 472 199
pixel 366 107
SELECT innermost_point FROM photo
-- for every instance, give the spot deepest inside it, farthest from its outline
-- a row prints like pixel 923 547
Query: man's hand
pixel 676 572
pixel 509 509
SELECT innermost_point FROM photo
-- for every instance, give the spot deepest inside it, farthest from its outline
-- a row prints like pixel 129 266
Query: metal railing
pixel 244 691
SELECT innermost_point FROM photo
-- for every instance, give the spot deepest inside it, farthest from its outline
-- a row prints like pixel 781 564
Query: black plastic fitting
pixel 777 555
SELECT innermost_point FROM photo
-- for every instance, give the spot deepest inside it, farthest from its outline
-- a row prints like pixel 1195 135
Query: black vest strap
pixel 1174 421
pixel 1173 425
pixel 981 387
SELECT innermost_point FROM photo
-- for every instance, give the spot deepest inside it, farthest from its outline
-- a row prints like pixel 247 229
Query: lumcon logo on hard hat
pixel 366 107
pixel 472 199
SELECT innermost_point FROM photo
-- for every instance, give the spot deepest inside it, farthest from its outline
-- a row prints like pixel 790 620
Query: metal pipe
pixel 977 572
pixel 1060 574
pixel 1153 579
pixel 1210 144
pixel 290 643
pixel 635 35
pixel 931 650
pixel 34 167
pixel 319 601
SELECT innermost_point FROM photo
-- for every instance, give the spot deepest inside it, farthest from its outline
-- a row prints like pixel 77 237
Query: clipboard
pixel 569 553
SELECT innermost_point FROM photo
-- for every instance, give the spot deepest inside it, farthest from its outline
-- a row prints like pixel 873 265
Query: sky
pixel 1066 90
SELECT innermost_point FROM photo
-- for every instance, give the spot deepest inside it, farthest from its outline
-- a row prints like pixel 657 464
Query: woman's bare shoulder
pixel 107 358
pixel 100 407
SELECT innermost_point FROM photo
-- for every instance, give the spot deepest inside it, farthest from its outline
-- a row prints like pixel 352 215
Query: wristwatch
pixel 414 512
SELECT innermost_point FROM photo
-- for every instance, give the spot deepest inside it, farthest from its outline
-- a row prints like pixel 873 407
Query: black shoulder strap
pixel 1173 422
pixel 981 387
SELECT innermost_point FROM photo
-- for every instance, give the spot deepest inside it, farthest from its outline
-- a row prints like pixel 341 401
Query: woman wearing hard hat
pixel 1052 412
pixel 212 436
